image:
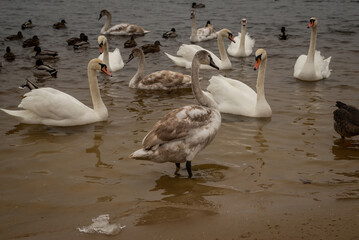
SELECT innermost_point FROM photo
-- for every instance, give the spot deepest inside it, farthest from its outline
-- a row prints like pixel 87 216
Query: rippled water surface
pixel 290 176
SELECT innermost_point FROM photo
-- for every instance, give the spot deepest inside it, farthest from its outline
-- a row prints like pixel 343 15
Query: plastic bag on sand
pixel 102 225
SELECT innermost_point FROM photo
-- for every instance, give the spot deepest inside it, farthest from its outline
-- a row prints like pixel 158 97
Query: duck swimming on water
pixel 346 120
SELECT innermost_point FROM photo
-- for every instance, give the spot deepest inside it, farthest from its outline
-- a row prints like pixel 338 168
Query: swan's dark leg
pixel 178 165
pixel 189 168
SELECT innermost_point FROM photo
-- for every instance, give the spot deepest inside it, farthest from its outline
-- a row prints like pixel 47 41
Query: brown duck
pixel 9 56
pixel 31 42
pixel 14 37
pixel 59 25
pixel 346 120
pixel 151 48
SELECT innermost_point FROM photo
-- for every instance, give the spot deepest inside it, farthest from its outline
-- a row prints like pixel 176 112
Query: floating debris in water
pixel 102 225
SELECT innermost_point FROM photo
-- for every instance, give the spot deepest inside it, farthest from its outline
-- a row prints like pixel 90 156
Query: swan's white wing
pixel 232 96
pixel 249 44
pixel 299 65
pixel 187 52
pixel 115 58
pixel 205 33
pixel 125 29
pixel 321 65
pixel 49 103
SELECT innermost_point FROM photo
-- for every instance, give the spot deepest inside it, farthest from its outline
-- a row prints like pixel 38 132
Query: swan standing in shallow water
pixel 160 80
pixel 185 131
pixel 244 44
pixel 113 60
pixel 312 67
pixel 202 34
pixel 119 29
pixel 187 52
pixel 235 97
pixel 52 107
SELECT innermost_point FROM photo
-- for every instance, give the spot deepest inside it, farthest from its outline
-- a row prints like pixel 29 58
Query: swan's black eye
pixel 258 57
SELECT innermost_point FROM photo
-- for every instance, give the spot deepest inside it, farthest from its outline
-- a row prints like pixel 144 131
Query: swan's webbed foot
pixel 189 169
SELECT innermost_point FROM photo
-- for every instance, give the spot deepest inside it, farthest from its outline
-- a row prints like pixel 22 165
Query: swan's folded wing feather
pixel 177 125
pixel 53 104
pixel 188 51
pixel 299 64
pixel 167 79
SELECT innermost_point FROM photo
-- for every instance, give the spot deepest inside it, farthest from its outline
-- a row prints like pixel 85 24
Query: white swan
pixel 312 67
pixel 113 60
pixel 187 52
pixel 185 131
pixel 119 29
pixel 202 34
pixel 235 97
pixel 52 107
pixel 244 44
pixel 165 79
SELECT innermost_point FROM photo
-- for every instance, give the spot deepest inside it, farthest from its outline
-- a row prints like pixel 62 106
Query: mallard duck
pixel 83 44
pixel 14 37
pixel 73 40
pixel 151 48
pixel 170 34
pixel 283 34
pixel 27 24
pixel 31 42
pixel 43 70
pixel 130 43
pixel 44 54
pixel 198 5
pixel 9 56
pixel 59 25
pixel 30 85
pixel 346 120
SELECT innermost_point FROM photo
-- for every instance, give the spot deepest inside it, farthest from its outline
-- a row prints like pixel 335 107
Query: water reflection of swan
pixel 97 142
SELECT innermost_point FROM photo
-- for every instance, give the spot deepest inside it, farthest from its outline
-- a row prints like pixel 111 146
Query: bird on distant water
pixel 283 34
pixel 346 120
pixel 151 48
pixel 170 34
pixel 74 40
pixel 130 43
pixel 31 42
pixel 27 24
pixel 59 25
pixel 198 5
pixel 43 70
pixel 44 54
pixel 9 56
pixel 82 44
pixel 14 37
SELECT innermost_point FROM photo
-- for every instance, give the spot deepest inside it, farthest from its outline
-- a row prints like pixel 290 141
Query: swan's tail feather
pixel 176 60
pixel 325 70
pixel 18 114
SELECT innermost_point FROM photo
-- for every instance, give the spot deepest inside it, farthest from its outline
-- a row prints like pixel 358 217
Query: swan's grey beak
pixel 129 58
pixel 212 64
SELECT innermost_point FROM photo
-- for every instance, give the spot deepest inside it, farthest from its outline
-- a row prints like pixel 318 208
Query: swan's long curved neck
pixel 140 72
pixel 194 29
pixel 97 102
pixel 221 48
pixel 243 37
pixel 107 23
pixel 312 45
pixel 260 81
pixel 196 88
pixel 106 58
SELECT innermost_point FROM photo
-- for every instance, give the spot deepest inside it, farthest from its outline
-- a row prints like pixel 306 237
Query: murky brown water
pixel 286 177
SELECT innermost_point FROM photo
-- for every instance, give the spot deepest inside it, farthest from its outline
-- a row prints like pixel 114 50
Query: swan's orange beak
pixel 311 23
pixel 104 69
pixel 256 65
pixel 101 47
pixel 230 37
